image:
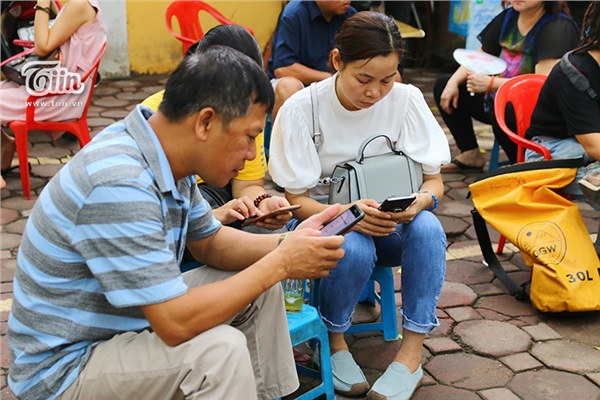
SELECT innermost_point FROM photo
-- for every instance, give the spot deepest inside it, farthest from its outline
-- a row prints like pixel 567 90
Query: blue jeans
pixel 419 247
pixel 561 149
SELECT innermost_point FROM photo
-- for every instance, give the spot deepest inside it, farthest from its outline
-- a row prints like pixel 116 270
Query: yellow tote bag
pixel 548 229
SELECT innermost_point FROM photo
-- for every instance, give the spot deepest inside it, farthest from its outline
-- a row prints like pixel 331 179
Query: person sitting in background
pixel 301 44
pixel 100 307
pixel 79 31
pixel 361 98
pixel 566 118
pixel 244 195
pixel 531 36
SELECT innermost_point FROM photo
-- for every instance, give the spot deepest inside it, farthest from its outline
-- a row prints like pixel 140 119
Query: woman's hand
pixel 234 210
pixel 478 83
pixel 375 222
pixel 449 98
pixel 272 204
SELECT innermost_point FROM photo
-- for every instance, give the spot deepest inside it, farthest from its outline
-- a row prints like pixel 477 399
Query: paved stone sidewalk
pixel 488 346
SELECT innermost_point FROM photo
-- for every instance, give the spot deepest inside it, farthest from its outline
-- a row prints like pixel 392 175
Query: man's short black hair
pixel 218 77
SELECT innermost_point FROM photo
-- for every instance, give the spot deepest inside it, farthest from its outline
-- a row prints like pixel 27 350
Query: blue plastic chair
pixel 386 298
pixel 307 326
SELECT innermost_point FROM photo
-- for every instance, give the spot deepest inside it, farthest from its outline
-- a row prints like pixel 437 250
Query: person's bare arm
pixel 591 144
pixel 75 14
pixel 304 254
pixel 543 67
pixel 253 189
pixel 301 72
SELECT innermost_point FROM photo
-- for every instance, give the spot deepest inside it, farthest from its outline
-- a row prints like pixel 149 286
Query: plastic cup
pixel 293 294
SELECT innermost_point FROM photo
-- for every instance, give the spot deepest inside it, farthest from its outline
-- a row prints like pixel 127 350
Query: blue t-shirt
pixel 105 237
pixel 304 36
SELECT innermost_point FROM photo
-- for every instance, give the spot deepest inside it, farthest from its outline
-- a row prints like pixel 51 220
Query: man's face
pixel 333 7
pixel 230 147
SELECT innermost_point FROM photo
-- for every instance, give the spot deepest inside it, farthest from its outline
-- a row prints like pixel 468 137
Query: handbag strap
pixel 360 157
pixel 314 102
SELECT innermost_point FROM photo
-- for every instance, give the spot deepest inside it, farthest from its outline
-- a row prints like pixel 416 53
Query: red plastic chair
pixel 187 14
pixel 523 92
pixel 77 127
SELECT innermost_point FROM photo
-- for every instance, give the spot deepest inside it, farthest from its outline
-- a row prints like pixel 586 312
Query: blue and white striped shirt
pixel 106 235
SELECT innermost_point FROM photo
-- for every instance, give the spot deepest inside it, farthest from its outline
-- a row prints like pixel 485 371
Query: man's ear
pixel 204 122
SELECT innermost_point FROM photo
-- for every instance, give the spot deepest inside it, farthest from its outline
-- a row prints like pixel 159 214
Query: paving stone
pixel 460 314
pixel 124 83
pixel 442 345
pixel 486 289
pixel 453 226
pixel 580 327
pixel 443 329
pixel 541 332
pixel 553 385
pixel 493 338
pixel 521 362
pixel 455 295
pixel 469 273
pixel 468 371
pixel 135 96
pixel 568 356
pixel 9 241
pixel 110 101
pixel 17 227
pixel 7 215
pixel 466 250
pixel 374 352
pixel 595 377
pixel 7 270
pixel 47 151
pixel 115 114
pixel 455 209
pixel 506 305
pixel 441 392
pixel 101 122
pixel 105 91
pixel 7 394
pixel 46 170
pixel 498 394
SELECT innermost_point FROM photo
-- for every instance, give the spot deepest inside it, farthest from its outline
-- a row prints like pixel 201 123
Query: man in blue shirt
pixel 101 309
pixel 301 45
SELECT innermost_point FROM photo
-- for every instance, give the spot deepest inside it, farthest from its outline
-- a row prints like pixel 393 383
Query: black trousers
pixel 460 121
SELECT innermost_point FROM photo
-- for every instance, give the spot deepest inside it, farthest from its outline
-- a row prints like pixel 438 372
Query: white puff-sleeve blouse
pixel 403 115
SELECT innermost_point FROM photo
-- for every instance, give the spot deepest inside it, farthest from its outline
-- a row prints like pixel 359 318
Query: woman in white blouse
pixel 360 100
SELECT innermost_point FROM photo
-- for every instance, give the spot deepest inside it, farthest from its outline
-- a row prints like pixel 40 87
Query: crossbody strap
pixel 314 101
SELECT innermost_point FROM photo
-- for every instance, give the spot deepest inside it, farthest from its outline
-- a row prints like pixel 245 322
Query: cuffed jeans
pixel 419 247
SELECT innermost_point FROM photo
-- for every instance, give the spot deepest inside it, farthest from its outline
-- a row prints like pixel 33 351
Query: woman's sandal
pixel 460 167
pixel 12 168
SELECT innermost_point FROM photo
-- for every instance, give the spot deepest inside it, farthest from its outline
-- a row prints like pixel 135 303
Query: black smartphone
pixel 343 222
pixel 282 210
pixel 396 204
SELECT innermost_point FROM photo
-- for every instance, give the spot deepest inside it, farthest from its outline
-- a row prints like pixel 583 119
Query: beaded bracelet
pixel 260 198
pixel 40 8
pixel 433 196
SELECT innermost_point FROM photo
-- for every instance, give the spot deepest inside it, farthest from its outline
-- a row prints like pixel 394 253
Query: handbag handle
pixel 360 157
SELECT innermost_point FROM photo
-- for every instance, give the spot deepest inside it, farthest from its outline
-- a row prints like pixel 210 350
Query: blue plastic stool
pixel 304 326
pixel 494 164
pixel 387 299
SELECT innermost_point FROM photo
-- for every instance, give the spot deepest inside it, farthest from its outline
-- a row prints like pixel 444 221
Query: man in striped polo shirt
pixel 101 309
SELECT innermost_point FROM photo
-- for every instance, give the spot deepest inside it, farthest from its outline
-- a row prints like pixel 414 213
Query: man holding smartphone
pixel 100 306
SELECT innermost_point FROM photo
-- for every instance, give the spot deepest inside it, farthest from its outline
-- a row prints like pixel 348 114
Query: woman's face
pixel 363 83
pixel 528 5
